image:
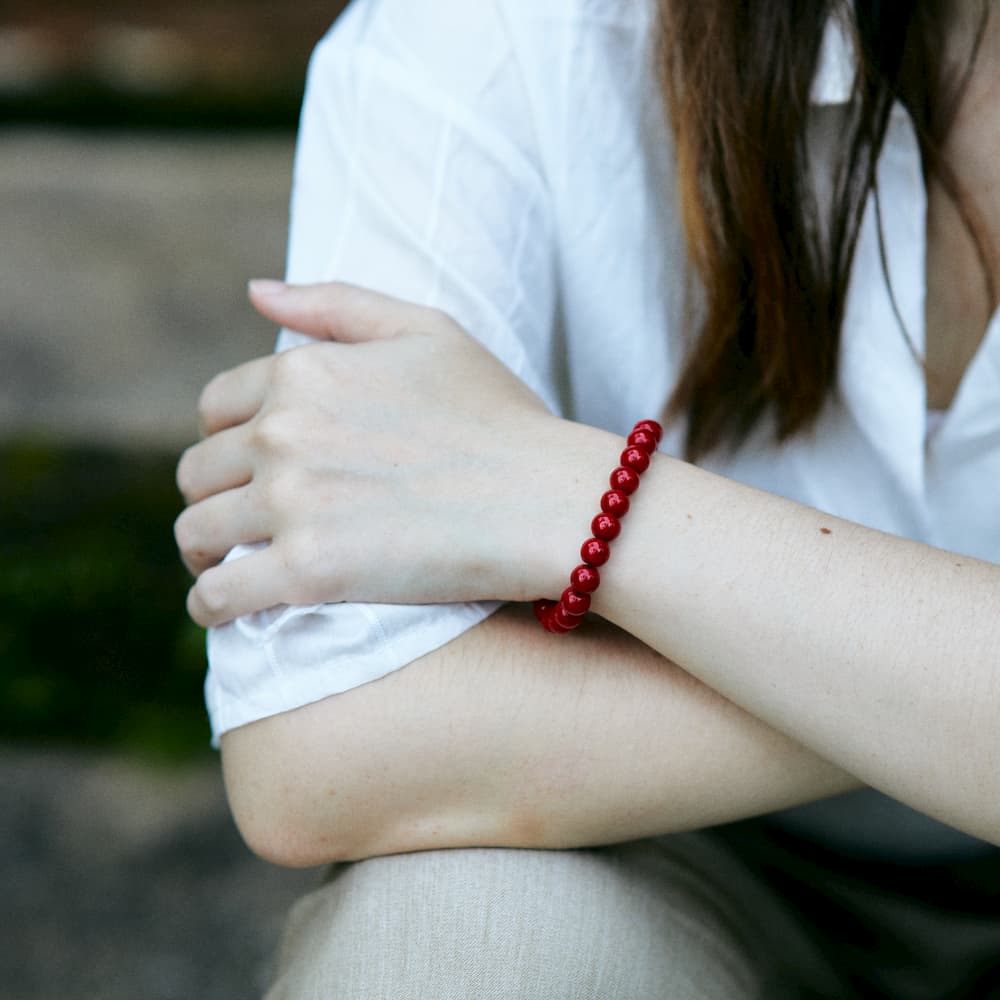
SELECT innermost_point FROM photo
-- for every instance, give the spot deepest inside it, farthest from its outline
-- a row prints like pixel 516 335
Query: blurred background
pixel 145 163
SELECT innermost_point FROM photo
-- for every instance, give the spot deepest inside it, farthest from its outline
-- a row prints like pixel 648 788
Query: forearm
pixel 878 653
pixel 412 468
pixel 510 737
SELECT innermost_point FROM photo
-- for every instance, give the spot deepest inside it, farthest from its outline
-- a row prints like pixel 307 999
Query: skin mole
pixel 825 531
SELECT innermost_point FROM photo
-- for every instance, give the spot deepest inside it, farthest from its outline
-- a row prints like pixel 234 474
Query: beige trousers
pixel 677 918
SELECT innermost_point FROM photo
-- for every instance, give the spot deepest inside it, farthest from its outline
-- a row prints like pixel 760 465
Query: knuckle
pixel 191 544
pixel 300 555
pixel 211 599
pixel 193 608
pixel 289 368
pixel 184 534
pixel 422 319
pixel 442 321
pixel 185 474
pixel 440 317
pixel 274 432
pixel 208 402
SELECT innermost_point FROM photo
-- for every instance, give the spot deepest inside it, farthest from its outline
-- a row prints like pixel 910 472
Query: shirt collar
pixel 838 63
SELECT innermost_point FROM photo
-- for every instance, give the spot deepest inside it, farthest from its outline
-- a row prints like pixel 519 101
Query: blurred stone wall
pixel 123 264
pixel 214 60
pixel 145 167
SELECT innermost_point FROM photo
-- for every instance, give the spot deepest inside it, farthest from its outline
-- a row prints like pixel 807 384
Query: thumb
pixel 334 310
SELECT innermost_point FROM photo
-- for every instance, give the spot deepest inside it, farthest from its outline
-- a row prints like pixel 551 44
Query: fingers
pixel 236 588
pixel 206 531
pixel 337 311
pixel 220 462
pixel 233 396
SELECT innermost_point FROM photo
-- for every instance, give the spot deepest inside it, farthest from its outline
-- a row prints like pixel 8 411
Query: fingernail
pixel 266 286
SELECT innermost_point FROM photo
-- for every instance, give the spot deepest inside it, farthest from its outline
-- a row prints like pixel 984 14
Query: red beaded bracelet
pixel 565 614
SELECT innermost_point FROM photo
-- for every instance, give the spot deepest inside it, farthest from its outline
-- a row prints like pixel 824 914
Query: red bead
pixel 595 552
pixel 635 458
pixel 644 440
pixel 553 625
pixel 543 609
pixel 626 480
pixel 615 502
pixel 606 526
pixel 562 617
pixel 585 579
pixel 574 603
pixel 652 426
pixel 567 613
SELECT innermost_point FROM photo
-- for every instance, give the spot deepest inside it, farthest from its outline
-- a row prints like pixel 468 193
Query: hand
pixel 390 463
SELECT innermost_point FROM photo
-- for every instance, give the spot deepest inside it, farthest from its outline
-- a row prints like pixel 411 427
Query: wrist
pixel 571 473
pixel 626 567
pixel 589 512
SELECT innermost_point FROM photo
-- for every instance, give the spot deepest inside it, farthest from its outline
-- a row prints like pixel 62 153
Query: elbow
pixel 285 839
pixel 285 814
pixel 314 786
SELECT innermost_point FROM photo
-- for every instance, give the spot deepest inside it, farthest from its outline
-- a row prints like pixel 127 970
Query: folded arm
pixel 877 653
pixel 511 737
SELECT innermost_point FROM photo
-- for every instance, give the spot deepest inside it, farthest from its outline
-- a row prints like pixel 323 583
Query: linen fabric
pixel 640 921
pixel 510 163
pixel 732 913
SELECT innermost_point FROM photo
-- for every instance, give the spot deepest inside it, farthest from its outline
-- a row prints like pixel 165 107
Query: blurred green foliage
pixel 95 646
pixel 83 103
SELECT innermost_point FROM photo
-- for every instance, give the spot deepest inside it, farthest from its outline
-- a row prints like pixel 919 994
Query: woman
pixel 806 606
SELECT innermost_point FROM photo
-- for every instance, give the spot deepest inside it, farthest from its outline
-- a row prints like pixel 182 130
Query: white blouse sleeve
pixel 417 175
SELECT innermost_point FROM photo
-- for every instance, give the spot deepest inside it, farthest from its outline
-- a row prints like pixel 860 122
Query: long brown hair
pixel 737 76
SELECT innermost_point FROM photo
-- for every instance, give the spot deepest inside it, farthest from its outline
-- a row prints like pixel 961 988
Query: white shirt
pixel 509 162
